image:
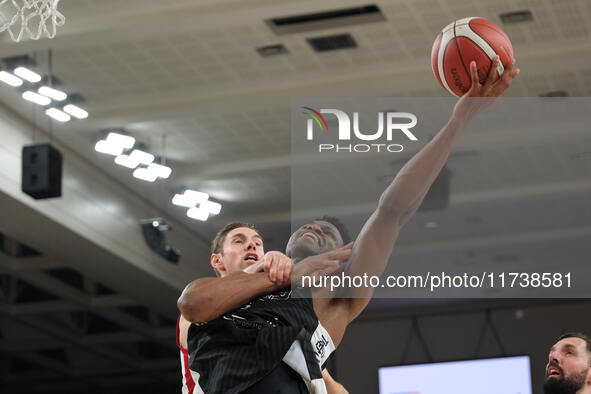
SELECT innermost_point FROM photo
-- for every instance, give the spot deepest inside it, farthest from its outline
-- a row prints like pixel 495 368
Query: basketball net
pixel 33 17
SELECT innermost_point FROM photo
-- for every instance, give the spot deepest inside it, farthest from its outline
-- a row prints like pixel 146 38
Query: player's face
pixel 242 247
pixel 568 366
pixel 313 238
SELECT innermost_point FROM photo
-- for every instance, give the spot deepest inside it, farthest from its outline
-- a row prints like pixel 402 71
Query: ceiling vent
pixel 516 17
pixel 272 50
pixel 332 43
pixel 326 19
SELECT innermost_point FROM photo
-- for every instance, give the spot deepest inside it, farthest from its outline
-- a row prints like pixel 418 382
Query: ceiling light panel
pixel 27 74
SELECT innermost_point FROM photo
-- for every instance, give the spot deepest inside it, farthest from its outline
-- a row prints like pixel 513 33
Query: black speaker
pixel 41 171
pixel 438 195
pixel 153 235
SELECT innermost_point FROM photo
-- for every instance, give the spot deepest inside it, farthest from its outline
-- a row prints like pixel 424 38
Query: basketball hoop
pixel 33 17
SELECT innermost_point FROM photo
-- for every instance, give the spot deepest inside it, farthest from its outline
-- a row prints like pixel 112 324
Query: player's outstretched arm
pixel 407 191
pixel 404 195
pixel 206 299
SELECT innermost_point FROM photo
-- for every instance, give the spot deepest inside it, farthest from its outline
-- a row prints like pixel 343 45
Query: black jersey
pixel 237 350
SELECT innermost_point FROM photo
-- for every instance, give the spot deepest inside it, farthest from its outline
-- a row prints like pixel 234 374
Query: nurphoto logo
pixel 396 123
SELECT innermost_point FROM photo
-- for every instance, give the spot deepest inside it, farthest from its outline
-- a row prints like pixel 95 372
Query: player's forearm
pixel 397 204
pixel 206 299
pixel 370 255
pixel 404 196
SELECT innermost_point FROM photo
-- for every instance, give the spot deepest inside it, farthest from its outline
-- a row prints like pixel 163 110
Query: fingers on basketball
pixel 509 72
pixel 474 75
pixel 507 77
pixel 493 70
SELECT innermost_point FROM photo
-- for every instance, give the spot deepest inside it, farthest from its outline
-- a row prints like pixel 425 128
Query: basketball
pixel 463 41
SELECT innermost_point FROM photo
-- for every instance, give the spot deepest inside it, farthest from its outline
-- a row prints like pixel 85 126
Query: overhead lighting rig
pixel 199 204
pixel 129 154
pixel 20 72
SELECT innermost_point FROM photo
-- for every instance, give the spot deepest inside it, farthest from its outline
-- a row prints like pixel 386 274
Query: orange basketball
pixel 463 41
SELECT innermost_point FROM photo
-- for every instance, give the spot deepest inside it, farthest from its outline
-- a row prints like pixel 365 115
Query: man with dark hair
pixel 240 314
pixel 569 365
pixel 343 230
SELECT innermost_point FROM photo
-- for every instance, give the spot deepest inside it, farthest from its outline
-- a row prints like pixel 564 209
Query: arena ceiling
pixel 186 80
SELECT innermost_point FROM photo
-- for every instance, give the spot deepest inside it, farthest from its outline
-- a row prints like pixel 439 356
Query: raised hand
pixel 480 96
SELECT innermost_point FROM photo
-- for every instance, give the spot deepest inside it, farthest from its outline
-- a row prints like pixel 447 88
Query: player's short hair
pixel 343 230
pixel 217 244
pixel 578 335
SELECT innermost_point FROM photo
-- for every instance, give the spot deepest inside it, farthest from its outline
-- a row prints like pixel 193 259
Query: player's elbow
pixel 390 208
pixel 187 308
pixel 192 310
pixel 193 307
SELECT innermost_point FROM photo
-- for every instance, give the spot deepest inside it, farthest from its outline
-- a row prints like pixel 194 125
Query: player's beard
pixel 569 385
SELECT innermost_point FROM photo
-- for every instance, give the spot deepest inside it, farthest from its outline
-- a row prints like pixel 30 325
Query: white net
pixel 30 17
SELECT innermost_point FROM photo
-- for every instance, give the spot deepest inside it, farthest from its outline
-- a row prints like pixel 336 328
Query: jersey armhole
pixel 178 332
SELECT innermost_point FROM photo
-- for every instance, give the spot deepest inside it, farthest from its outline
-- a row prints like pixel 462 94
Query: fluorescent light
pixel 160 170
pixel 27 74
pixel 126 161
pixel 36 98
pixel 10 79
pixel 142 157
pixel 110 149
pixel 55 94
pixel 144 174
pixel 58 115
pixel 183 201
pixel 76 111
pixel 189 198
pixel 213 207
pixel 125 141
pixel 198 213
pixel 199 197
